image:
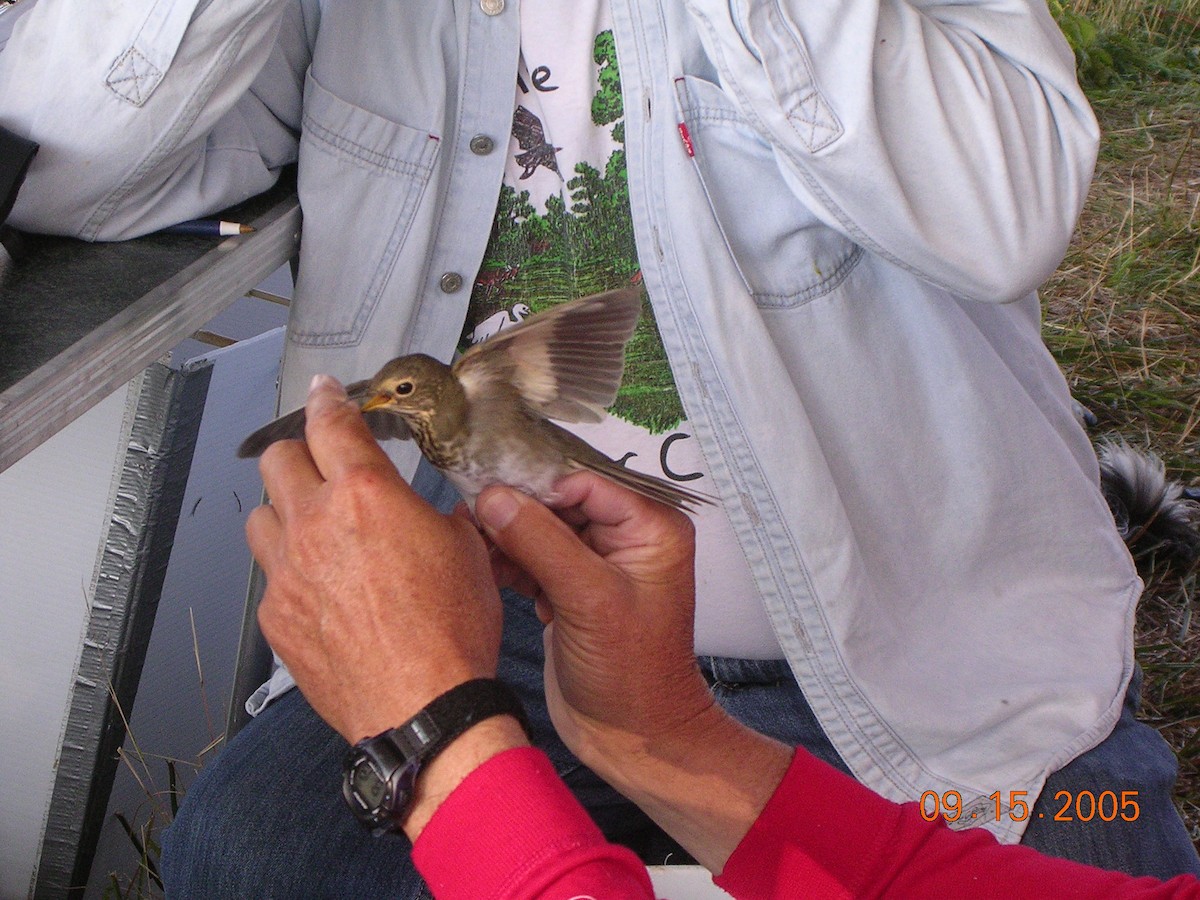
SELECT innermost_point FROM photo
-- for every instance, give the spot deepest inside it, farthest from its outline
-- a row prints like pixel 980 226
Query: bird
pixel 531 138
pixel 486 419
pixel 494 324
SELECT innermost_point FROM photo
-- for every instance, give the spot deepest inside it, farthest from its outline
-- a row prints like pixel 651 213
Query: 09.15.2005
pixel 1082 806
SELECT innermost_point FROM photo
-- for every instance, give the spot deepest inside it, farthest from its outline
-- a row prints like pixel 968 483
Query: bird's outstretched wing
pixel 566 362
pixel 383 425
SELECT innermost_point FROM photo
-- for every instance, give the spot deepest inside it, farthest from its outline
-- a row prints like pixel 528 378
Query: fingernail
pixel 327 383
pixel 496 509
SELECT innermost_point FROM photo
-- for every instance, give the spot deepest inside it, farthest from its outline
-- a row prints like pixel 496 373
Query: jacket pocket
pixel 786 254
pixel 141 65
pixel 361 177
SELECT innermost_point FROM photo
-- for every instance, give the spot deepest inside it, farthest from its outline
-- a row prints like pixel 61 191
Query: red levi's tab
pixel 687 139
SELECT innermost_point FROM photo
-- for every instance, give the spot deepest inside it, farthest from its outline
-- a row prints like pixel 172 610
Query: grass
pixel 1122 315
pixel 144 824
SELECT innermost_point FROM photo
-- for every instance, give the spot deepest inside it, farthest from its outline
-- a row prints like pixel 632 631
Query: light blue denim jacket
pixel 842 209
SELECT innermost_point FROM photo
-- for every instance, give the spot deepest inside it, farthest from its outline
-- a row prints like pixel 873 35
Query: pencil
pixel 209 227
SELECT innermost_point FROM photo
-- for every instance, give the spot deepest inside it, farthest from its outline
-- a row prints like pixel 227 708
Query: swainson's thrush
pixel 485 419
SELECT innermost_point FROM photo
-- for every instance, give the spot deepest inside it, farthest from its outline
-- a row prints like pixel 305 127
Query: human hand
pixel 376 602
pixel 618 597
pixel 622 683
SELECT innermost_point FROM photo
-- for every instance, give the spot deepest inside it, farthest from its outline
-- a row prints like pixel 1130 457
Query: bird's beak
pixel 376 402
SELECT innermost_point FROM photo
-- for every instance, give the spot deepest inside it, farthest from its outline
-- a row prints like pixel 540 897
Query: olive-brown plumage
pixel 486 419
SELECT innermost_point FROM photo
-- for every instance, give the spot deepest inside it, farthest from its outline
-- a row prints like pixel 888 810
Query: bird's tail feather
pixel 648 486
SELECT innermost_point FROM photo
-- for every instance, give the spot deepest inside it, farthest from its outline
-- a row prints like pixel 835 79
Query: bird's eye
pixel 404 388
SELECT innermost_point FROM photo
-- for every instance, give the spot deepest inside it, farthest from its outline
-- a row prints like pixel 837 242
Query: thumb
pixel 538 541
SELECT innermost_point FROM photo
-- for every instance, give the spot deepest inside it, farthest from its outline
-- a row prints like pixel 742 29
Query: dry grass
pixel 1123 317
pixel 1123 312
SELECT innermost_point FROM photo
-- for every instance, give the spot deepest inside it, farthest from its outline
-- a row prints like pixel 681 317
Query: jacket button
pixel 450 282
pixel 492 7
pixel 482 145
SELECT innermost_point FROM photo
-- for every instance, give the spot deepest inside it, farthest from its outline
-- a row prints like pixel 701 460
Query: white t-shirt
pixel 563 230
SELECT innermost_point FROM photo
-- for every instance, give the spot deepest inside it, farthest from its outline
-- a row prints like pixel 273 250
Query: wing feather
pixel 565 362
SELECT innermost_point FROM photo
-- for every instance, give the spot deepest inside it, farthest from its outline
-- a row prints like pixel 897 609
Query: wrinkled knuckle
pixel 268 456
pixel 304 548
pixel 255 523
pixel 683 525
pixel 356 497
pixel 364 483
pixel 675 527
pixel 267 461
pixel 272 456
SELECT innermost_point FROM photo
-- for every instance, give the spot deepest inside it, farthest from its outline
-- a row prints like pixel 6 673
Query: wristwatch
pixel 380 772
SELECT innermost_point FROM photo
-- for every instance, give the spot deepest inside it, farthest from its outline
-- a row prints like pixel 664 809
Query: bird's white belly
pixel 536 479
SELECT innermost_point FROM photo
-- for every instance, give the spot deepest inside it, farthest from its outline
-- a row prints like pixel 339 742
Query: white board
pixel 54 506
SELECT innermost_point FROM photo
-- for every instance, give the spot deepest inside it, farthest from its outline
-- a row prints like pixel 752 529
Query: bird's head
pixel 412 386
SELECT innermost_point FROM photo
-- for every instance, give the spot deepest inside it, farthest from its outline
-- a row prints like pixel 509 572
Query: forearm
pixel 705 783
pixel 144 111
pixel 951 138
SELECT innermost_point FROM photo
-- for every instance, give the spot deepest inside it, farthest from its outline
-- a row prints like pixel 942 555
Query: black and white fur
pixel 1154 514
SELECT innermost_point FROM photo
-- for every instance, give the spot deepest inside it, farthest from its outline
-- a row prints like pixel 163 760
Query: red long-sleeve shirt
pixel 513 830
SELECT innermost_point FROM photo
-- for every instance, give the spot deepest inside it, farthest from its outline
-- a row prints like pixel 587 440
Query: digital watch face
pixel 377 783
pixel 368 785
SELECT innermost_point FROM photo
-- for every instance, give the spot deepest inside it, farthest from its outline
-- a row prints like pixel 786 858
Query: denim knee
pixel 266 818
pixel 1132 771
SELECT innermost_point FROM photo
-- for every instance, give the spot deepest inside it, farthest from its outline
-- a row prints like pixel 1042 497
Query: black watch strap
pixel 381 771
pixel 446 717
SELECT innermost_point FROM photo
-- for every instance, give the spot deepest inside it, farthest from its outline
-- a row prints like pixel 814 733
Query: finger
pixel 337 436
pixel 289 474
pixel 538 541
pixel 464 512
pixel 572 515
pixel 588 496
pixel 506 573
pixel 264 532
pixel 617 517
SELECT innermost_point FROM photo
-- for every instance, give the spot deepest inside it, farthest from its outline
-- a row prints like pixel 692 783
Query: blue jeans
pixel 266 817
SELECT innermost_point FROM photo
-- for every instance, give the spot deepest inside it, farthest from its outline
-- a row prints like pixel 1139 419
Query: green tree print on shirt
pixel 540 259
